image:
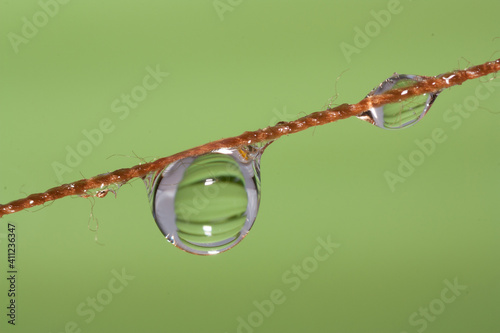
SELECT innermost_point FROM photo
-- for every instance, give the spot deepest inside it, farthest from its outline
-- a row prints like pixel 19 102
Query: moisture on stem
pixel 98 185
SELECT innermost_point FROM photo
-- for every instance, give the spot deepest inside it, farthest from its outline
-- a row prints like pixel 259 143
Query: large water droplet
pixel 207 204
pixel 401 114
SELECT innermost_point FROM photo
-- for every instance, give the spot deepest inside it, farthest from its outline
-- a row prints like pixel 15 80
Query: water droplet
pixel 207 204
pixel 99 192
pixel 401 114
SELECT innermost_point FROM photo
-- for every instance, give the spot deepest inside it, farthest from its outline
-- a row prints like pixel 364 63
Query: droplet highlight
pixel 404 113
pixel 207 204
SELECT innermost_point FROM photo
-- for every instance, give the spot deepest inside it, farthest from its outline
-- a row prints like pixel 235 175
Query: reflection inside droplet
pixel 401 114
pixel 207 204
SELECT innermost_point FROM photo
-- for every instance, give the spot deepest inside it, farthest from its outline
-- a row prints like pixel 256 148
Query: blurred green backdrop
pixel 419 256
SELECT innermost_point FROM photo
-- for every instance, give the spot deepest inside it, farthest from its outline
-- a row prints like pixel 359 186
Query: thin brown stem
pixel 121 176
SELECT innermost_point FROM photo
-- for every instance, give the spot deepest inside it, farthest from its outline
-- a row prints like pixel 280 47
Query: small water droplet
pixel 207 204
pixel 99 192
pixel 401 114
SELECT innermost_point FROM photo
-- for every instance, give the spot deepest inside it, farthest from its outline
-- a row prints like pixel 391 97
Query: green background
pixel 250 67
